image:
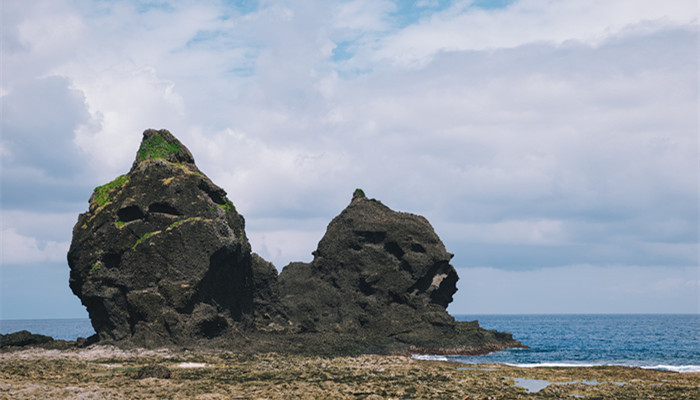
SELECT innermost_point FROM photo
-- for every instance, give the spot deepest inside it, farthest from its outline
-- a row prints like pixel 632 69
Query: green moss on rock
pixel 180 222
pixel 144 237
pixel 156 147
pixel 228 206
pixel 101 193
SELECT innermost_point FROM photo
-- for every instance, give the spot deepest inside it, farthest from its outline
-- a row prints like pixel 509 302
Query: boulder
pixel 23 338
pixel 153 371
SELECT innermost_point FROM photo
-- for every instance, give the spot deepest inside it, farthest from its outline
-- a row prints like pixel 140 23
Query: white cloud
pixel 528 21
pixel 538 134
pixel 531 232
pixel 40 117
pixel 364 15
pixel 282 246
pixel 126 99
pixel 51 31
pixel 669 284
pixel 48 226
pixel 20 249
pixel 578 289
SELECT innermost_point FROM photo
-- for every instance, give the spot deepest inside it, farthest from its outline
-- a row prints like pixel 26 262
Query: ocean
pixel 63 329
pixel 659 341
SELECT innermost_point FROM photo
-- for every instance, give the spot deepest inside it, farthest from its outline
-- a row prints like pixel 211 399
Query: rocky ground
pixel 105 372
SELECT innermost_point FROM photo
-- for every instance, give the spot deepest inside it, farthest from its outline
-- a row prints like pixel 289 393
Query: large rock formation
pixel 162 257
pixel 375 270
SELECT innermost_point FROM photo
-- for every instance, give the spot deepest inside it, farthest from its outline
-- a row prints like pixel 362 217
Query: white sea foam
pixel 191 365
pixel 428 357
pixel 676 368
pixel 550 365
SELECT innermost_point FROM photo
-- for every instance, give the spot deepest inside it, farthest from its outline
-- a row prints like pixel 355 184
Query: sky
pixel 553 145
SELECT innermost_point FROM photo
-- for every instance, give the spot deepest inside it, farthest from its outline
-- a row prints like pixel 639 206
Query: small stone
pixel 153 371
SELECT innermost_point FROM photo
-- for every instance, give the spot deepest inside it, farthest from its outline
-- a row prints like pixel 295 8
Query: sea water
pixel 660 341
pixel 64 329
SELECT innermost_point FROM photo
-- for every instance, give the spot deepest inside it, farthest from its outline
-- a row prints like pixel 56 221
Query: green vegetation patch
pixel 180 222
pixel 144 237
pixel 102 192
pixel 119 224
pixel 228 206
pixel 96 266
pixel 360 192
pixel 156 147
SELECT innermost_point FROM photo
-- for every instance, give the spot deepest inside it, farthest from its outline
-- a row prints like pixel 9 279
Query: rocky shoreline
pixel 478 341
pixel 108 372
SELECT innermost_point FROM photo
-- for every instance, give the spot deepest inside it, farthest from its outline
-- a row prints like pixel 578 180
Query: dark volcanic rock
pixel 380 280
pixel 153 371
pixel 162 255
pixel 375 270
pixel 162 258
pixel 23 338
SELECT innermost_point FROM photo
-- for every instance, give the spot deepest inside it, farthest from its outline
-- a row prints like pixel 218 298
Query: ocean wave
pixel 553 365
pixel 673 368
pixel 428 357
pixel 676 368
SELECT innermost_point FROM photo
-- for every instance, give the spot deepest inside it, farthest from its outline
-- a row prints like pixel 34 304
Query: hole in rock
pixel 405 266
pixel 130 213
pixel 394 249
pixel 366 288
pixel 164 208
pixel 417 248
pixel 216 194
pixel 371 236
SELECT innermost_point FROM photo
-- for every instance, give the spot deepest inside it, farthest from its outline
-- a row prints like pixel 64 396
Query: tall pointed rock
pixel 162 255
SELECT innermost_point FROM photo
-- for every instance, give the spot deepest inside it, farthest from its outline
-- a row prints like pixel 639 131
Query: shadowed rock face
pixel 162 257
pixel 162 254
pixel 375 270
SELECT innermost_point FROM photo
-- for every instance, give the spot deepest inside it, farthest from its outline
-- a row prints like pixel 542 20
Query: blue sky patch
pixel 146 6
pixel 342 51
pixel 409 12
pixel 244 6
pixel 492 4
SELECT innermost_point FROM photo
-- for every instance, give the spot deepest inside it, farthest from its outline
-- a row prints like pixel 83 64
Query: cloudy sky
pixel 553 145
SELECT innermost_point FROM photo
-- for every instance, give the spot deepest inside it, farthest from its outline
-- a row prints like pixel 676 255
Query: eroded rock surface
pixel 162 258
pixel 162 255
pixel 375 270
